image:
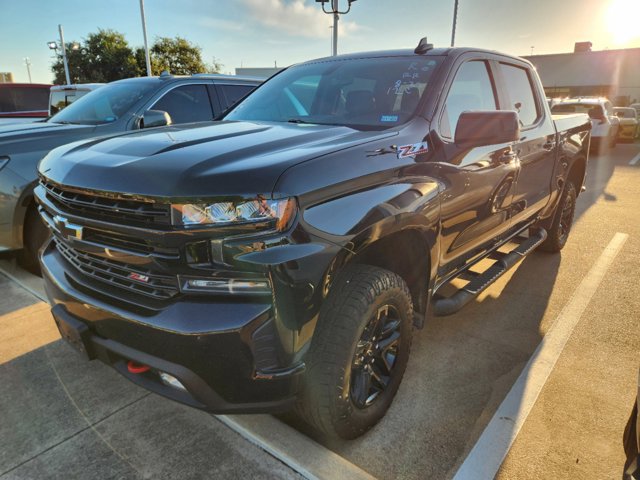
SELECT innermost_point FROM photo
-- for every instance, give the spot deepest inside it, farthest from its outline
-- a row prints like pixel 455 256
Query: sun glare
pixel 622 21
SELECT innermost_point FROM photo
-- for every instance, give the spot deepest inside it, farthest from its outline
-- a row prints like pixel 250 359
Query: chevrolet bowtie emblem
pixel 67 229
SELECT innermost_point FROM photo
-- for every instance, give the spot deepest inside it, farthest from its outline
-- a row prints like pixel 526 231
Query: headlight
pixel 275 213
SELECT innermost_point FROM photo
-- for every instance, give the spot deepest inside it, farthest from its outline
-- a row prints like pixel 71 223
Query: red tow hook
pixel 135 367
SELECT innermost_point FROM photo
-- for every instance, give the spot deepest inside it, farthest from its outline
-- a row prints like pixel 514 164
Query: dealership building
pixel 614 74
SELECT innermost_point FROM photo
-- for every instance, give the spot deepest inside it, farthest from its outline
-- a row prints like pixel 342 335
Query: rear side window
pixel 471 89
pixel 187 103
pixel 232 93
pixel 521 94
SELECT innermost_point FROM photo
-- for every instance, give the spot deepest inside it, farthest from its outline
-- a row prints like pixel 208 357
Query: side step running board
pixel 452 304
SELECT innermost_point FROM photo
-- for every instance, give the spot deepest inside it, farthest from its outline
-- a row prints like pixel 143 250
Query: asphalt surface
pixel 66 418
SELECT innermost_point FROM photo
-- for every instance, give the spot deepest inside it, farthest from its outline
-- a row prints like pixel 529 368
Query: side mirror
pixel 155 118
pixel 480 128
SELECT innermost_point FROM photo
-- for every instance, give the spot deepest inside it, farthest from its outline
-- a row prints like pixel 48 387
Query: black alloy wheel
pixel 375 357
pixel 358 353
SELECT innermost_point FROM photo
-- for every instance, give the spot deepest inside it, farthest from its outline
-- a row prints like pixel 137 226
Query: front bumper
pixel 213 349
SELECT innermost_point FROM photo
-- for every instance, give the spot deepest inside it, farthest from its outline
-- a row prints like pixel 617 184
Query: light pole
pixel 27 62
pixel 144 34
pixel 336 12
pixel 64 55
pixel 455 21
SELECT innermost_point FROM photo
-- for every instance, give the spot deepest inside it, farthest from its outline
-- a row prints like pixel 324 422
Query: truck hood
pixel 199 160
pixel 34 131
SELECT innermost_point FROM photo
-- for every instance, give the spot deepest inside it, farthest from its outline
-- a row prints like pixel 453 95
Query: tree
pixel 177 55
pixel 104 56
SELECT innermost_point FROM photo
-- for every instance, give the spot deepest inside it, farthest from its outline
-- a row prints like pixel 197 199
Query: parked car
pixel 605 125
pixel 280 258
pixel 122 106
pixel 23 102
pixel 62 96
pixel 629 123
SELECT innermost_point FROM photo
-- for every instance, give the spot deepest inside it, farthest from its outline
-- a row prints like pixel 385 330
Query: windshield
pixel 625 112
pixel 367 93
pixel 104 105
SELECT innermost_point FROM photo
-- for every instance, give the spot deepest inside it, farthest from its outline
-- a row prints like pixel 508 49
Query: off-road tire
pixel 560 229
pixel 35 233
pixel 358 294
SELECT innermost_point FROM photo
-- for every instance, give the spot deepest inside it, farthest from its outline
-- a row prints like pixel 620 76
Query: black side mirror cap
pixel 155 118
pixel 491 127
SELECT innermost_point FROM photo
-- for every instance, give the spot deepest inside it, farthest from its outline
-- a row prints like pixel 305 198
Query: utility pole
pixel 27 62
pixel 336 12
pixel 144 34
pixel 64 55
pixel 455 21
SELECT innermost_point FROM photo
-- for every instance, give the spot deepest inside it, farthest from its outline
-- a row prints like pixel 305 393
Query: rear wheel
pixel 359 352
pixel 34 236
pixel 558 233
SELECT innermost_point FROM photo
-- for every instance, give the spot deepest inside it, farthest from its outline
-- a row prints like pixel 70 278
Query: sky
pixel 261 33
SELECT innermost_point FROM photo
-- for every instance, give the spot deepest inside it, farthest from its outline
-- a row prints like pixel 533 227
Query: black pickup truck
pixel 280 258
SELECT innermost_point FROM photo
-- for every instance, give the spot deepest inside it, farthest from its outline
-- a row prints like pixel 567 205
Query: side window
pixel 232 93
pixel 521 93
pixel 187 103
pixel 471 89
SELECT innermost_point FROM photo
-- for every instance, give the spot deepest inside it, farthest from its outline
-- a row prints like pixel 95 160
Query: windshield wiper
pixel 299 120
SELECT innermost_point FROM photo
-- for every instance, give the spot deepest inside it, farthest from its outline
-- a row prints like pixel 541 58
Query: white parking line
pixel 492 447
pixel 635 160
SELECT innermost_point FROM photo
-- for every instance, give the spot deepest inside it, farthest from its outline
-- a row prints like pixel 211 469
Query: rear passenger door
pixel 536 149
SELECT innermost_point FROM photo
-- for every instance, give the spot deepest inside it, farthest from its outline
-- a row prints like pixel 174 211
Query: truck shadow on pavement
pixel 461 368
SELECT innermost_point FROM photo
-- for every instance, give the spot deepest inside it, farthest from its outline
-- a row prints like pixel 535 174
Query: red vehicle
pixel 23 101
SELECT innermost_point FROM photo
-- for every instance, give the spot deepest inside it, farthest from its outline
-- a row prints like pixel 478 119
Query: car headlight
pixel 276 214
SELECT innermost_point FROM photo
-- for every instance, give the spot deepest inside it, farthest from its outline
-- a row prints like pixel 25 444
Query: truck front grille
pixel 128 277
pixel 98 207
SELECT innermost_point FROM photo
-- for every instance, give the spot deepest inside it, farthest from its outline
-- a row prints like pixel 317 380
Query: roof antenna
pixel 423 46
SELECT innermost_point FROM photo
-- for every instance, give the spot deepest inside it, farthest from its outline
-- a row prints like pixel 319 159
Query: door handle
pixel 507 157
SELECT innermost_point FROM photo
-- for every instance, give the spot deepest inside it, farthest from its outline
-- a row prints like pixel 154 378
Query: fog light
pixel 171 381
pixel 227 286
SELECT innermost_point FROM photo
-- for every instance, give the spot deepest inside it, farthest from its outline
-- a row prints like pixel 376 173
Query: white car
pixel 629 123
pixel 605 125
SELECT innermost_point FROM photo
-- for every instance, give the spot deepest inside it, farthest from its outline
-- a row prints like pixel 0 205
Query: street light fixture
pixel 336 12
pixel 54 46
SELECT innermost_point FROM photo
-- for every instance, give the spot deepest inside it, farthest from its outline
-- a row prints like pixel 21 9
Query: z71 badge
pixel 412 150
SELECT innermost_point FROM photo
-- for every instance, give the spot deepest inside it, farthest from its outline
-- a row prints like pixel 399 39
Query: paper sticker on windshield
pixel 412 150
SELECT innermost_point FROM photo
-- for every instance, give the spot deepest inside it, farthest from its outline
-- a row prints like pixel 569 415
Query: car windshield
pixel 366 93
pixel 104 105
pixel 625 112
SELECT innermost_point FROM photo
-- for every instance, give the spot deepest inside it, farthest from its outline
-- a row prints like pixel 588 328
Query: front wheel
pixel 35 233
pixel 359 352
pixel 558 233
